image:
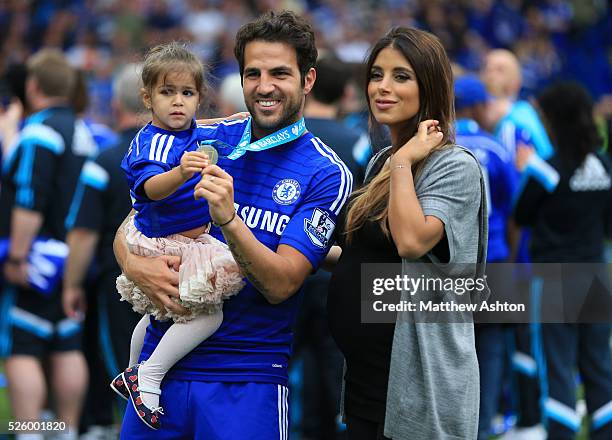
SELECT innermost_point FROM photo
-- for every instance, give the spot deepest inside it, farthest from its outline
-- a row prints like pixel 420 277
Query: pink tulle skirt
pixel 208 273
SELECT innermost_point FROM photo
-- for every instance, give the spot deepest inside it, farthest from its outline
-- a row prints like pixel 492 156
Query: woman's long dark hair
pixel 434 76
pixel 567 109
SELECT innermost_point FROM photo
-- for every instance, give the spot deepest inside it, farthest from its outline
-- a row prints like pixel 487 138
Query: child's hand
pixel 193 162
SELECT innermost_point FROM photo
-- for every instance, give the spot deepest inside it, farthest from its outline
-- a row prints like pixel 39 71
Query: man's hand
pixel 16 273
pixel 524 154
pixel 74 302
pixel 217 187
pixel 157 278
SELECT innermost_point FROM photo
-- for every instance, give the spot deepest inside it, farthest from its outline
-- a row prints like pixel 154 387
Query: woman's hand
pixel 427 137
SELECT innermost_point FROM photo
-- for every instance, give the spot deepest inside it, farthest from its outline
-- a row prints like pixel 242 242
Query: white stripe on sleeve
pixel 164 158
pixel 160 147
pixel 346 178
pixel 153 146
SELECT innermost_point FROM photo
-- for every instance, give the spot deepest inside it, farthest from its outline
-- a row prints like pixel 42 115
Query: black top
pixel 366 347
pixel 103 207
pixel 343 140
pixel 42 172
pixel 568 208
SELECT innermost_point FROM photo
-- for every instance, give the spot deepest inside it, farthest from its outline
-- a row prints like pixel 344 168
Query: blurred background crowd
pixel 551 40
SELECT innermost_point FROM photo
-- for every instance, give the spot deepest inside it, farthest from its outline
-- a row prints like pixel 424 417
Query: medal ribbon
pixel 280 137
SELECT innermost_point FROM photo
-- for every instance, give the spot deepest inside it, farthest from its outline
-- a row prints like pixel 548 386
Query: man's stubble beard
pixel 288 117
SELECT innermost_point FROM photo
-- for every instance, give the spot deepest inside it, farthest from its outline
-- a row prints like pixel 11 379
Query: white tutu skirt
pixel 208 273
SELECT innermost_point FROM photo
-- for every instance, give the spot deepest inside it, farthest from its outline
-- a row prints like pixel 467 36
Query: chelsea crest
pixel 286 191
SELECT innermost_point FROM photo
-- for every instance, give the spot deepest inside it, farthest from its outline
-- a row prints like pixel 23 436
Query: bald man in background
pixel 512 120
pixel 516 124
pixel 231 98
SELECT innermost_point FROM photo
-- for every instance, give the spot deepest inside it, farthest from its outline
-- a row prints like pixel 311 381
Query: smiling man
pixel 274 200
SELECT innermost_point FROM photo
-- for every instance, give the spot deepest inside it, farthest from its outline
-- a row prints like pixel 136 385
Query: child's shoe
pixel 118 386
pixel 150 416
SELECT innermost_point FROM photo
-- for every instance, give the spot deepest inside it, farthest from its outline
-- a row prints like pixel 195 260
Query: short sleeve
pixel 537 180
pixel 504 184
pixel 311 229
pixel 146 159
pixel 87 206
pixel 40 148
pixel 450 190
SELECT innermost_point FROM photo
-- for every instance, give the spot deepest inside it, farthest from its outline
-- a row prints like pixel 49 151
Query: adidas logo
pixel 591 176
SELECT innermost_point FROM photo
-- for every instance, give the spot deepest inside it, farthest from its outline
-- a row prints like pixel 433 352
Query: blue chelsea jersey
pixel 290 194
pixel 501 180
pixel 154 151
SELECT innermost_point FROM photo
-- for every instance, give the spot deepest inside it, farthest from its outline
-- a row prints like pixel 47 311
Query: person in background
pixel 566 200
pixel 322 116
pixel 515 122
pixel 13 107
pixel 512 120
pixel 231 99
pixel 97 408
pixel 471 105
pixel 322 365
pixel 39 178
pixel 100 203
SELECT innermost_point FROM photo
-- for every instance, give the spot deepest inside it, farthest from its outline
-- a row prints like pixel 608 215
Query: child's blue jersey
pixel 290 194
pixel 154 151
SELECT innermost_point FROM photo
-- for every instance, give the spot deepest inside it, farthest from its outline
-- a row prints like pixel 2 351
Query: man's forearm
pixel 82 243
pixel 25 224
pixel 120 244
pixel 265 269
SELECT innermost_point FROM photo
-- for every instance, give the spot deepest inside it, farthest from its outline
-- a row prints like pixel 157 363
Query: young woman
pixel 566 200
pixel 423 202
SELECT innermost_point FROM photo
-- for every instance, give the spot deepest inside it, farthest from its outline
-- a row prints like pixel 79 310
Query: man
pixel 38 181
pixel 230 95
pixel 322 361
pixel 512 120
pixel 100 203
pixel 322 110
pixel 233 386
pixel 471 105
pixel 515 123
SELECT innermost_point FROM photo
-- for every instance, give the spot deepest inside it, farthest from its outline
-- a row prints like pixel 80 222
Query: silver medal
pixel 211 152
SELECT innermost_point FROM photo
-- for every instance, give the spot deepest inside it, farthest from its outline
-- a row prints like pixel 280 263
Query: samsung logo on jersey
pixel 257 218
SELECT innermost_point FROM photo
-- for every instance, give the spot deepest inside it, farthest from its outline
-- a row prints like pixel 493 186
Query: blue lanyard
pixel 280 137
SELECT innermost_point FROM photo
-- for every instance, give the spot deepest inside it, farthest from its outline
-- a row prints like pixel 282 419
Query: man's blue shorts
pixel 197 410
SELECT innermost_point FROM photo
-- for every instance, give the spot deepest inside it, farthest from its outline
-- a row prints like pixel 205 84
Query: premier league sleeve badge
pixel 319 228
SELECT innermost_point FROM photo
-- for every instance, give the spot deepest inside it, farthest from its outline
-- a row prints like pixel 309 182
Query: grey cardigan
pixel 433 391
